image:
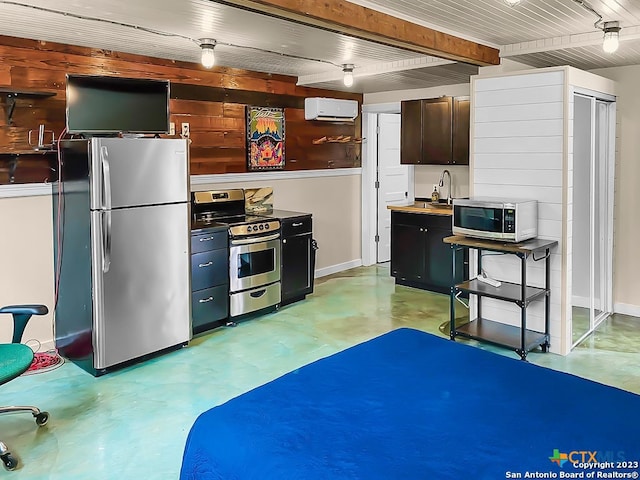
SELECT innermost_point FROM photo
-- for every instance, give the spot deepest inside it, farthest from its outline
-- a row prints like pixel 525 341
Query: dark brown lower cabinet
pixel 419 258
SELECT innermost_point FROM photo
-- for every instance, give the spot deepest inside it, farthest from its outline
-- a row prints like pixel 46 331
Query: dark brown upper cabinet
pixel 435 131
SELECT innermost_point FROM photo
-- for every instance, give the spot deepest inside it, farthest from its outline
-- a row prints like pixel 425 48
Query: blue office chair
pixel 15 359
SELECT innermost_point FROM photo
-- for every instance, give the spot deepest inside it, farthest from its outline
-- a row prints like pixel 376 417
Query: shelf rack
pixel 520 339
pixel 10 96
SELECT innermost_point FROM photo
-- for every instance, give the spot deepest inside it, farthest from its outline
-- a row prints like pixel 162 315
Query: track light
pixel 512 3
pixel 347 69
pixel 208 58
pixel 611 36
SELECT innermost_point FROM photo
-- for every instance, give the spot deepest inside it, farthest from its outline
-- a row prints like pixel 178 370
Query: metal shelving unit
pixel 520 339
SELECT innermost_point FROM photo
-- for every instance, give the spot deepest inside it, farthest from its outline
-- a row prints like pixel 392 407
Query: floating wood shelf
pixel 340 139
pixel 11 94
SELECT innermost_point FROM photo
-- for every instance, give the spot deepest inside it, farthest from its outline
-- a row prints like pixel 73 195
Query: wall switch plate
pixel 172 128
pixel 185 130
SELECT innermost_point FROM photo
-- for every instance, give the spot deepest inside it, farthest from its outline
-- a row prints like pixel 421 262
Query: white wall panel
pixel 531 111
pixel 520 96
pixel 518 148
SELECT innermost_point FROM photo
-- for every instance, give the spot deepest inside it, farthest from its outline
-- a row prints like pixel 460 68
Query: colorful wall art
pixel 265 136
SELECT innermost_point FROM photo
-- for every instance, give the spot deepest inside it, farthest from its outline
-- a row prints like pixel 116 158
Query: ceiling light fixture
pixel 347 69
pixel 207 58
pixel 611 30
pixel 512 3
pixel 611 36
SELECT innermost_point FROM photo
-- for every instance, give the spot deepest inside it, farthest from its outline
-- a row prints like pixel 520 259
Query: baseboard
pixel 626 309
pixel 340 267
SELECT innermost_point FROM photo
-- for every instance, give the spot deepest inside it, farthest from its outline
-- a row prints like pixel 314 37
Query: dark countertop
pixel 208 227
pixel 283 214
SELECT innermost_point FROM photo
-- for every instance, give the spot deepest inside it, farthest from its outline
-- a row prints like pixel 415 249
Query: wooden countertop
pixel 424 208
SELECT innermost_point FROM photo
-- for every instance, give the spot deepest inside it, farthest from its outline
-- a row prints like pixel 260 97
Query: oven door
pixel 478 221
pixel 254 262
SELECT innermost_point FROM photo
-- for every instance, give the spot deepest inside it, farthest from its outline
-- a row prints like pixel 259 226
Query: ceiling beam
pixel 565 42
pixel 356 21
pixel 377 69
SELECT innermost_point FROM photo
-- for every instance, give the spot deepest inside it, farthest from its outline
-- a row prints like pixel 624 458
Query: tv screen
pixel 112 105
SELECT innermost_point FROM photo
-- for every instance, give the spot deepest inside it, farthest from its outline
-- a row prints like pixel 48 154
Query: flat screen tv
pixel 108 105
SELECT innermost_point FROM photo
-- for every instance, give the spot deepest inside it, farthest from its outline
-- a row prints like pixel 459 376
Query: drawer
pixel 208 241
pixel 209 269
pixel 255 299
pixel 296 226
pixel 209 305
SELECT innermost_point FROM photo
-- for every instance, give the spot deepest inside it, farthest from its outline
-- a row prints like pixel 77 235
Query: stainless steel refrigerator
pixel 121 250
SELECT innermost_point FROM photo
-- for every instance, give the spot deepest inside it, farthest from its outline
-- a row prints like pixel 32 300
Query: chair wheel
pixel 10 463
pixel 42 418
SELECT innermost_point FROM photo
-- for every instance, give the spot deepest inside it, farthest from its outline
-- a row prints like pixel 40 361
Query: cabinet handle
pixel 208 239
pixel 284 241
pixel 208 264
pixel 296 224
pixel 206 300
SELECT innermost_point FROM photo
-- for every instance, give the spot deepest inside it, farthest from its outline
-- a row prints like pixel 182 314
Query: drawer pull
pixel 208 239
pixel 296 224
pixel 206 300
pixel 208 264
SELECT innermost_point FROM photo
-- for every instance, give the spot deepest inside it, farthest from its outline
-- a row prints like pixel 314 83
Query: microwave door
pixel 482 220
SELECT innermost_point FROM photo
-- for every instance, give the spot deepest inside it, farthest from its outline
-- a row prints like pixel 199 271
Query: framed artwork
pixel 265 138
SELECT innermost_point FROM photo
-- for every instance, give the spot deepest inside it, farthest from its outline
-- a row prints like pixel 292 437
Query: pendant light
pixel 611 38
pixel 512 3
pixel 207 58
pixel 347 69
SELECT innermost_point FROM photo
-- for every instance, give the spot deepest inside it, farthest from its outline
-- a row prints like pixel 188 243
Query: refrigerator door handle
pixel 106 178
pixel 106 240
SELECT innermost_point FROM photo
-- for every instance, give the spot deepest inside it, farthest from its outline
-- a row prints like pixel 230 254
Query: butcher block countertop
pixel 423 207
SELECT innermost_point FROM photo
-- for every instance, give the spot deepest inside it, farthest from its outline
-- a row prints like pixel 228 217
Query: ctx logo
pixel 576 456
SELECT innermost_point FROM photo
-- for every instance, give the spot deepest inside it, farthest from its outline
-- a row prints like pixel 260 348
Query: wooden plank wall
pixel 212 102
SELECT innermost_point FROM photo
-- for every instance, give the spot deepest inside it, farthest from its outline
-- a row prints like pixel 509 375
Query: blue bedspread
pixel 410 405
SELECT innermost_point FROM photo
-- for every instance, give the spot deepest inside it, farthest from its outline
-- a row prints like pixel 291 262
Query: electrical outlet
pixel 185 130
pixel 435 187
pixel 172 128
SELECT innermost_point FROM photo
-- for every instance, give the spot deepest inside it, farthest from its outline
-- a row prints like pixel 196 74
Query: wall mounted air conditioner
pixel 330 109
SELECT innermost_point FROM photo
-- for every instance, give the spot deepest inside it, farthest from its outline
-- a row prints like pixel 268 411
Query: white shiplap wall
pixel 518 152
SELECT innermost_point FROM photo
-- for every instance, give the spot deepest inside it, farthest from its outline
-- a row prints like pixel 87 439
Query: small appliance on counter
pixel 513 220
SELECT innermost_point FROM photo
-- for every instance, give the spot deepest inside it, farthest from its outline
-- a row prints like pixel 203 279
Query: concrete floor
pixel 133 423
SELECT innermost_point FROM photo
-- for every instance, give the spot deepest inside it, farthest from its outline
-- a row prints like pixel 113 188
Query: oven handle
pixel 248 241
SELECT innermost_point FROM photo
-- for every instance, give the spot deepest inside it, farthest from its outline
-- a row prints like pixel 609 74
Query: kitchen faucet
pixel 441 184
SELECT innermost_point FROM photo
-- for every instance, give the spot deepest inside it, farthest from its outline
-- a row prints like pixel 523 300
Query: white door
pixel 394 180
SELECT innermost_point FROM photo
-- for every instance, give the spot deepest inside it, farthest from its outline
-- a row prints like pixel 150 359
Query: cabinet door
pixel 296 266
pixel 411 132
pixel 407 252
pixel 436 135
pixel 461 115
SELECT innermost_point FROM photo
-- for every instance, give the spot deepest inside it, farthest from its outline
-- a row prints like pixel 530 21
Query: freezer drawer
pixel 209 269
pixel 209 305
pixel 253 300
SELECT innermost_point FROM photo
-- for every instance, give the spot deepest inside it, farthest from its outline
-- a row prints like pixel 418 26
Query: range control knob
pixel 266 226
pixel 261 226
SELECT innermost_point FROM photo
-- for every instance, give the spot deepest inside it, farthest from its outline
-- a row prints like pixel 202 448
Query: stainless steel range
pixel 254 249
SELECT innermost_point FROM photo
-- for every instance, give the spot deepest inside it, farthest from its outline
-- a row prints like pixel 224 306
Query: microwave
pixel 495 218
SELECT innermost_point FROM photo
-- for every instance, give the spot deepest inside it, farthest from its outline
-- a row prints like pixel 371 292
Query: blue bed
pixel 410 405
